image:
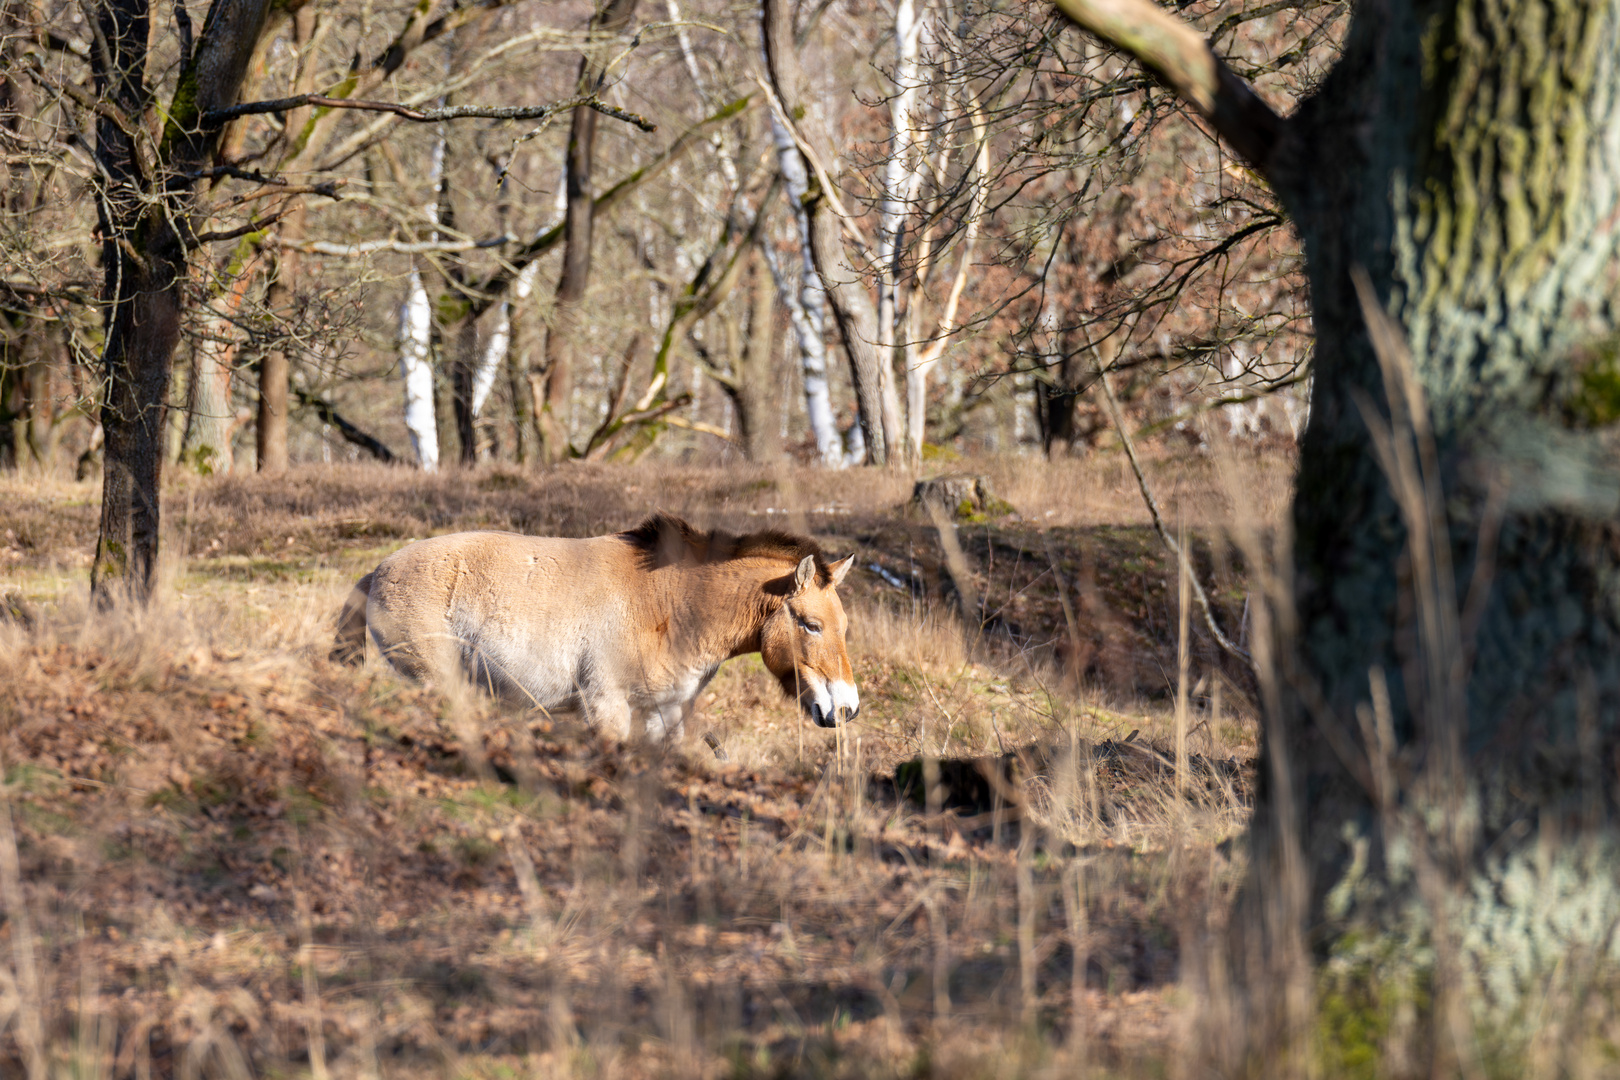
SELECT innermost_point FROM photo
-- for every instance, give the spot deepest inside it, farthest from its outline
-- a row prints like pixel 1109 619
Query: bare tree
pixel 147 207
pixel 806 304
pixel 611 18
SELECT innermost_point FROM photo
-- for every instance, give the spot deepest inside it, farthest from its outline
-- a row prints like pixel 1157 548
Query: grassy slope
pixel 232 849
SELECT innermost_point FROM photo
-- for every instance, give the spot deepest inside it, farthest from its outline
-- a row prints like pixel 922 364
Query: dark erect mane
pixel 664 539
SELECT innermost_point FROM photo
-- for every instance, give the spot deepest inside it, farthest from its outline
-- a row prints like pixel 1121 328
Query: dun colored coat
pixel 625 630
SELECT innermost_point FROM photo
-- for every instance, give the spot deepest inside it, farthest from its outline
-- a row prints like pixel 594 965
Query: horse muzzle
pixel 842 714
pixel 838 704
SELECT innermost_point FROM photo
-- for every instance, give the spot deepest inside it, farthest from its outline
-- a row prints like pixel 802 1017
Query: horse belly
pixel 537 665
pixel 533 620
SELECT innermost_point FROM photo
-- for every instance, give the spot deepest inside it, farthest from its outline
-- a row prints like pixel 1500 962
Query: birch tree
pixel 416 335
pixel 901 181
pixel 847 295
pixel 807 305
pixel 416 372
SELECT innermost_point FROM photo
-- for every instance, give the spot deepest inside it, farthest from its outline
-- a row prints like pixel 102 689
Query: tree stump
pixel 964 497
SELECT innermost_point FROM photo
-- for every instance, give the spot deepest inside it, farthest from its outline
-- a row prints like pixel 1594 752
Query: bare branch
pixel 454 112
pixel 1177 53
pixel 699 425
pixel 350 431
pixel 401 247
pixel 242 230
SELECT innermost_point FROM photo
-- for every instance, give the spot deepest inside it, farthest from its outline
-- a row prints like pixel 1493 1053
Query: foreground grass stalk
pixel 1027 965
pixel 1184 579
pixel 1074 909
pixel 30 1026
pixel 314 1024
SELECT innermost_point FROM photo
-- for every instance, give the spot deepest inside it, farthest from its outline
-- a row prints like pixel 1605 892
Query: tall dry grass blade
pixel 1184 579
pixel 30 1021
pixel 1070 622
pixel 939 931
pixel 96 1033
pixel 1436 687
pixel 314 1023
pixel 1029 997
pixel 1074 909
pixel 1406 452
pixel 1280 1009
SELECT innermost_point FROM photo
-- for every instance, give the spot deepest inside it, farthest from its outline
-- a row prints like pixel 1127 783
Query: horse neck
pixel 735 588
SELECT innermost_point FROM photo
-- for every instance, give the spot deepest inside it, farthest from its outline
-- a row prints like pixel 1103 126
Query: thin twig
pixel 328 188
pixel 242 230
pixel 1153 510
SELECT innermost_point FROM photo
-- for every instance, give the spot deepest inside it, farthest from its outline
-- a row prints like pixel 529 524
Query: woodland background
pixel 549 266
pixel 1023 206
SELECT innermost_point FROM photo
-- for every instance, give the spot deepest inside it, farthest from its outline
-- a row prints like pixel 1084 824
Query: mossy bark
pixel 1466 157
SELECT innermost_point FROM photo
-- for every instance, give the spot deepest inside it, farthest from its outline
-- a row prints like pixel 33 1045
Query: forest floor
pixel 222 855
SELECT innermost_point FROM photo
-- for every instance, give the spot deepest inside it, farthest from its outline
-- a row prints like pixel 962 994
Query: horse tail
pixel 349 646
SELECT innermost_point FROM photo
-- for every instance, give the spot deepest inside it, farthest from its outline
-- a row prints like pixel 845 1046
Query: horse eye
pixel 813 627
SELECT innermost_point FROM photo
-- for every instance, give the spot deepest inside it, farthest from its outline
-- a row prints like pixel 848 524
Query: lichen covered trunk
pixel 1466 157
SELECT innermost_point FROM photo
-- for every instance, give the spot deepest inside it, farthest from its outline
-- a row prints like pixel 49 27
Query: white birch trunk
pixel 213 421
pixel 918 371
pixel 416 342
pixel 416 369
pixel 728 164
pixel 901 181
pixel 807 307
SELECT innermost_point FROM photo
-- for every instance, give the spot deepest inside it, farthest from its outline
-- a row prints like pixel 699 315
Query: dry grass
pixel 235 859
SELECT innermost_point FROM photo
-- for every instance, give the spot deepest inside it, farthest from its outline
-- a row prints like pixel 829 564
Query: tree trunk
pixel 28 394
pixel 211 425
pixel 491 363
pixel 852 307
pixel 1483 212
pixel 444 399
pixel 463 337
pixel 144 262
pixel 902 179
pixel 757 391
pixel 274 368
pixel 416 373
pixel 520 361
pixel 806 308
pixel 1445 777
pixel 551 409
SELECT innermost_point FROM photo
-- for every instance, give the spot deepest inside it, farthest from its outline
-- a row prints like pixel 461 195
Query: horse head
pixel 802 642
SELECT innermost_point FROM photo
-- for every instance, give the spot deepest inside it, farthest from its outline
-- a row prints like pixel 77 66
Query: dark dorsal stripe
pixel 666 540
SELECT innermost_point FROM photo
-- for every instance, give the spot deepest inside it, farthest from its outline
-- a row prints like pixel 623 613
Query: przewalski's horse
pixel 621 629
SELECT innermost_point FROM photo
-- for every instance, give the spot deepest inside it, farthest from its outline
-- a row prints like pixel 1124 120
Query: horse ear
pixel 804 574
pixel 840 570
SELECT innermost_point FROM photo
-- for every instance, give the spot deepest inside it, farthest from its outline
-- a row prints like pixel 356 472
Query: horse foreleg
pixel 609 713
